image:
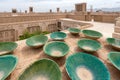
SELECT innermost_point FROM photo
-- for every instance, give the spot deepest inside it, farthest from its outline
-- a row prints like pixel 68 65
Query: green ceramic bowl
pixel 74 30
pixel 56 49
pixel 114 58
pixel 92 34
pixel 37 41
pixel 44 69
pixel 58 35
pixel 115 43
pixel 89 45
pixel 82 66
pixel 7 47
pixel 7 65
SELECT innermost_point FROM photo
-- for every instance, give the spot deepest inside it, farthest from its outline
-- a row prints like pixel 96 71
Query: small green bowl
pixel 92 34
pixel 74 30
pixel 114 58
pixel 44 69
pixel 58 35
pixel 115 43
pixel 7 65
pixel 37 41
pixel 82 66
pixel 89 45
pixel 56 49
pixel 7 47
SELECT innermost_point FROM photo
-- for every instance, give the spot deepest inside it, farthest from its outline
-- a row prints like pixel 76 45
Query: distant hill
pixel 117 9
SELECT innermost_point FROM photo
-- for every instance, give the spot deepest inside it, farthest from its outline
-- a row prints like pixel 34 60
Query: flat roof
pixel 80 3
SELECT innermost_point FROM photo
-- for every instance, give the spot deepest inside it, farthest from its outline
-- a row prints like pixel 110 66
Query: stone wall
pixel 116 33
pixel 77 17
pixel 107 18
pixel 98 17
pixel 13 25
pixel 13 18
pixel 66 23
pixel 104 17
pixel 12 31
pixel 84 16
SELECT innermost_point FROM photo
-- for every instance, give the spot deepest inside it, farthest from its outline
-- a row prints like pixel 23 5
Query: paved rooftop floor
pixel 28 55
pixel 105 28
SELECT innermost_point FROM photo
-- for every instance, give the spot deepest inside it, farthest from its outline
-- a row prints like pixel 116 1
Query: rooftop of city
pixel 70 40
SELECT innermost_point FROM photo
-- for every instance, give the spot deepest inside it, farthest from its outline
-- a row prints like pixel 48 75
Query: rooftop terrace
pixel 28 55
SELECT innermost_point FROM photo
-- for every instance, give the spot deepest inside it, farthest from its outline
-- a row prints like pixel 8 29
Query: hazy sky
pixel 45 5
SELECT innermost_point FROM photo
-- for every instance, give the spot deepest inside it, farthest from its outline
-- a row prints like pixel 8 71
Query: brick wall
pixel 33 17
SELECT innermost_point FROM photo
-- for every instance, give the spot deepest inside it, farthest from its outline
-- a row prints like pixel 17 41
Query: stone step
pixel 117 29
pixel 116 35
pixel 117 23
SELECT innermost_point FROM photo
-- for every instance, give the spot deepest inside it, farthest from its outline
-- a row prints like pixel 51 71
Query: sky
pixel 46 5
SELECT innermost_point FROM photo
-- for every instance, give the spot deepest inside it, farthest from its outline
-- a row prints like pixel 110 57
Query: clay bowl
pixel 44 69
pixel 92 34
pixel 74 31
pixel 58 35
pixel 56 49
pixel 7 47
pixel 115 43
pixel 82 66
pixel 7 65
pixel 89 45
pixel 37 41
pixel 114 58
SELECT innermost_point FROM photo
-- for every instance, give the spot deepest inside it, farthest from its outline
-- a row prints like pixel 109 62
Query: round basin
pixel 43 69
pixel 115 43
pixel 82 66
pixel 114 58
pixel 89 45
pixel 37 41
pixel 74 30
pixel 7 65
pixel 58 35
pixel 7 47
pixel 92 34
pixel 56 49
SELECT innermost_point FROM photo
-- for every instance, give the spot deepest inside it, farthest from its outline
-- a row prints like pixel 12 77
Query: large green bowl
pixel 37 41
pixel 7 47
pixel 92 34
pixel 56 49
pixel 7 65
pixel 115 43
pixel 114 58
pixel 82 66
pixel 74 30
pixel 44 69
pixel 58 35
pixel 89 45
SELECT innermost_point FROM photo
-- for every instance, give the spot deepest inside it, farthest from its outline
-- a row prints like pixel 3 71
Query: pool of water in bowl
pixel 84 73
pixel 56 53
pixel 38 44
pixel 41 77
pixel 1 74
pixel 87 48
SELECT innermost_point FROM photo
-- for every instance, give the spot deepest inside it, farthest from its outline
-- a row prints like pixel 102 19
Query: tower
pixel 58 10
pixel 30 9
pixel 14 10
pixel 50 10
pixel 81 7
pixel 91 8
pixel 25 11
